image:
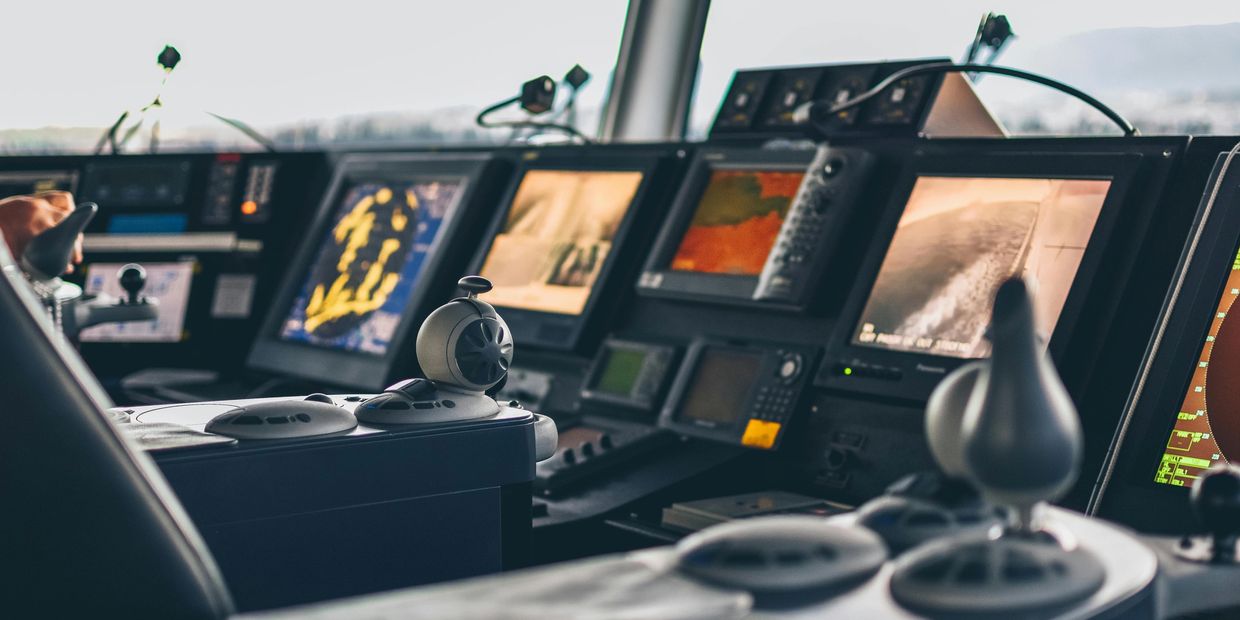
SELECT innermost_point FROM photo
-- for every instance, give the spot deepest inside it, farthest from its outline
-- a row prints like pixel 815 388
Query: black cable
pixel 252 133
pixel 482 122
pixel 811 109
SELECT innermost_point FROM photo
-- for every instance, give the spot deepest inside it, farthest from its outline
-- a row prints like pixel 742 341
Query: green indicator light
pixel 847 371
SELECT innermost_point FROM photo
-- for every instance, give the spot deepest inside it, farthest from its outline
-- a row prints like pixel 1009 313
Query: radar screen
pixel 1208 423
pixel 958 239
pixel 556 238
pixel 364 273
pixel 737 221
pixel 167 283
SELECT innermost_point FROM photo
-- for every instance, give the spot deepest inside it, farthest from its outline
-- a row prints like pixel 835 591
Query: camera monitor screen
pixel 1207 425
pixel 736 221
pixel 556 238
pixel 167 283
pixel 957 240
pixel 355 289
pixel 719 391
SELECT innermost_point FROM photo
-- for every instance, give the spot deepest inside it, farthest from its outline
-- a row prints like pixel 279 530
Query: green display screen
pixel 620 371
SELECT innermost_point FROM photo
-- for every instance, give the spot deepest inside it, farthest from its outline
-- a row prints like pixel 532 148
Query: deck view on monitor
pixel 556 238
pixel 359 283
pixel 737 221
pixel 957 240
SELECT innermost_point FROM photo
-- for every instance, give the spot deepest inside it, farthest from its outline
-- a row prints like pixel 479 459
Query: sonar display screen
pixel 958 239
pixel 556 238
pixel 364 273
pixel 737 221
pixel 1207 426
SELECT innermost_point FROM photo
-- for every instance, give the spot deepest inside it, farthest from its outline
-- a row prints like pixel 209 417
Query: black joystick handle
pixel 47 255
pixel 132 278
pixel 474 285
pixel 1216 501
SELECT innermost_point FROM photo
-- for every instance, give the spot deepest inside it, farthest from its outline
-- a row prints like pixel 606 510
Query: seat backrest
pixel 88 526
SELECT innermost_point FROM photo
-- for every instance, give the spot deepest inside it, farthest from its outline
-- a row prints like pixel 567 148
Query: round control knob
pixel 132 278
pixel 832 167
pixel 790 368
pixel 587 449
pixel 474 285
pixel 1216 501
pixel 605 442
pixel 569 456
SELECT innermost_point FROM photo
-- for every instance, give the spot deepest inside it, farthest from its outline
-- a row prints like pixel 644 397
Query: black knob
pixel 133 279
pixel 569 456
pixel 1216 501
pixel 587 449
pixel 605 441
pixel 474 285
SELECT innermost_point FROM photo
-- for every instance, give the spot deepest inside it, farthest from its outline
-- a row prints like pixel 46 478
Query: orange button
pixel 761 434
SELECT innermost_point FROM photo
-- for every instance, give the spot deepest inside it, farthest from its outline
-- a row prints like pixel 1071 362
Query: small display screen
pixel 1207 425
pixel 355 290
pixel 132 184
pixel 167 283
pixel 556 238
pixel 18 183
pixel 720 387
pixel 621 369
pixel 737 221
pixel 958 239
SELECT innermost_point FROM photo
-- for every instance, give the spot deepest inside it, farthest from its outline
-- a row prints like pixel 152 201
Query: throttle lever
pixel 47 255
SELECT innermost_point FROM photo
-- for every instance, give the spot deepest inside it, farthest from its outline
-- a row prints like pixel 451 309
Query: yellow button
pixel 760 434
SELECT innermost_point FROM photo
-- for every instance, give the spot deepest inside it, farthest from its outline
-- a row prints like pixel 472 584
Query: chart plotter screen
pixel 556 238
pixel 737 221
pixel 357 286
pixel 957 240
pixel 1207 426
pixel 720 387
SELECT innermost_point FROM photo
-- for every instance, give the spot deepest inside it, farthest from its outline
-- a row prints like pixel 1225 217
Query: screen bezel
pixel 921 372
pixel 652 354
pixel 658 279
pixel 1126 490
pixel 355 368
pixel 526 325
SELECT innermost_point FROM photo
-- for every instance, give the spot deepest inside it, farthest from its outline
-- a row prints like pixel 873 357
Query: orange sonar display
pixel 736 222
pixel 1208 424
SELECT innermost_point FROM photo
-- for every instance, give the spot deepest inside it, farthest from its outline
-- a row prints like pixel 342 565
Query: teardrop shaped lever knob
pixel 1215 499
pixel 474 285
pixel 47 255
pixel 1021 435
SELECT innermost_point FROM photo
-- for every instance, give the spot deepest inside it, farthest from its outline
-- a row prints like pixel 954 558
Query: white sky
pixel 79 63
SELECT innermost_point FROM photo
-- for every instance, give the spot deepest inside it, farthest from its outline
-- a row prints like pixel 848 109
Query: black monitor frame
pixel 912 376
pixel 1126 490
pixel 658 279
pixel 563 332
pixel 351 368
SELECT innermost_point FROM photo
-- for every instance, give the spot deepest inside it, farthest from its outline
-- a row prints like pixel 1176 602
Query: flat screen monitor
pixel 168 283
pixel 348 304
pixel 1183 414
pixel 958 227
pixel 555 241
pixel 957 240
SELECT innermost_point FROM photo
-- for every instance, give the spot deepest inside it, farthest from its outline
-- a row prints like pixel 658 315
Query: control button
pixel 568 456
pixel 587 449
pixel 448 403
pixel 425 404
pixel 394 404
pixel 319 398
pixel 832 168
pixel 605 441
pixel 790 368
pixel 353 399
pixel 413 388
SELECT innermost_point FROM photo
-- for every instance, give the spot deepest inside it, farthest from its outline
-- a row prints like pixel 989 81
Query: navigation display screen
pixel 737 221
pixel 621 370
pixel 1207 426
pixel 720 388
pixel 356 289
pixel 958 239
pixel 167 283
pixel 556 238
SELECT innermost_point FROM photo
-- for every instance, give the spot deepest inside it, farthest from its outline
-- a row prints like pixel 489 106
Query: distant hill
pixel 1185 58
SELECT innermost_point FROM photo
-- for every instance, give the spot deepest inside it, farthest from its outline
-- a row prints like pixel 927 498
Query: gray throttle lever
pixel 47 255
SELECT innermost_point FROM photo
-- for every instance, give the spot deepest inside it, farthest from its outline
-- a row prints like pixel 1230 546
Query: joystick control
pixel 132 278
pixel 1020 444
pixel 1215 499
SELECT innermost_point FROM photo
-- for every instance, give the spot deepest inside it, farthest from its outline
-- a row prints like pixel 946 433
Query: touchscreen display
pixel 355 290
pixel 167 283
pixel 1207 425
pixel 556 237
pixel 736 221
pixel 719 391
pixel 957 240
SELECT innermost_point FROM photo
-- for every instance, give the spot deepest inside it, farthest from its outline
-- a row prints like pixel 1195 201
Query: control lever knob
pixel 1216 501
pixel 47 255
pixel 474 285
pixel 132 278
